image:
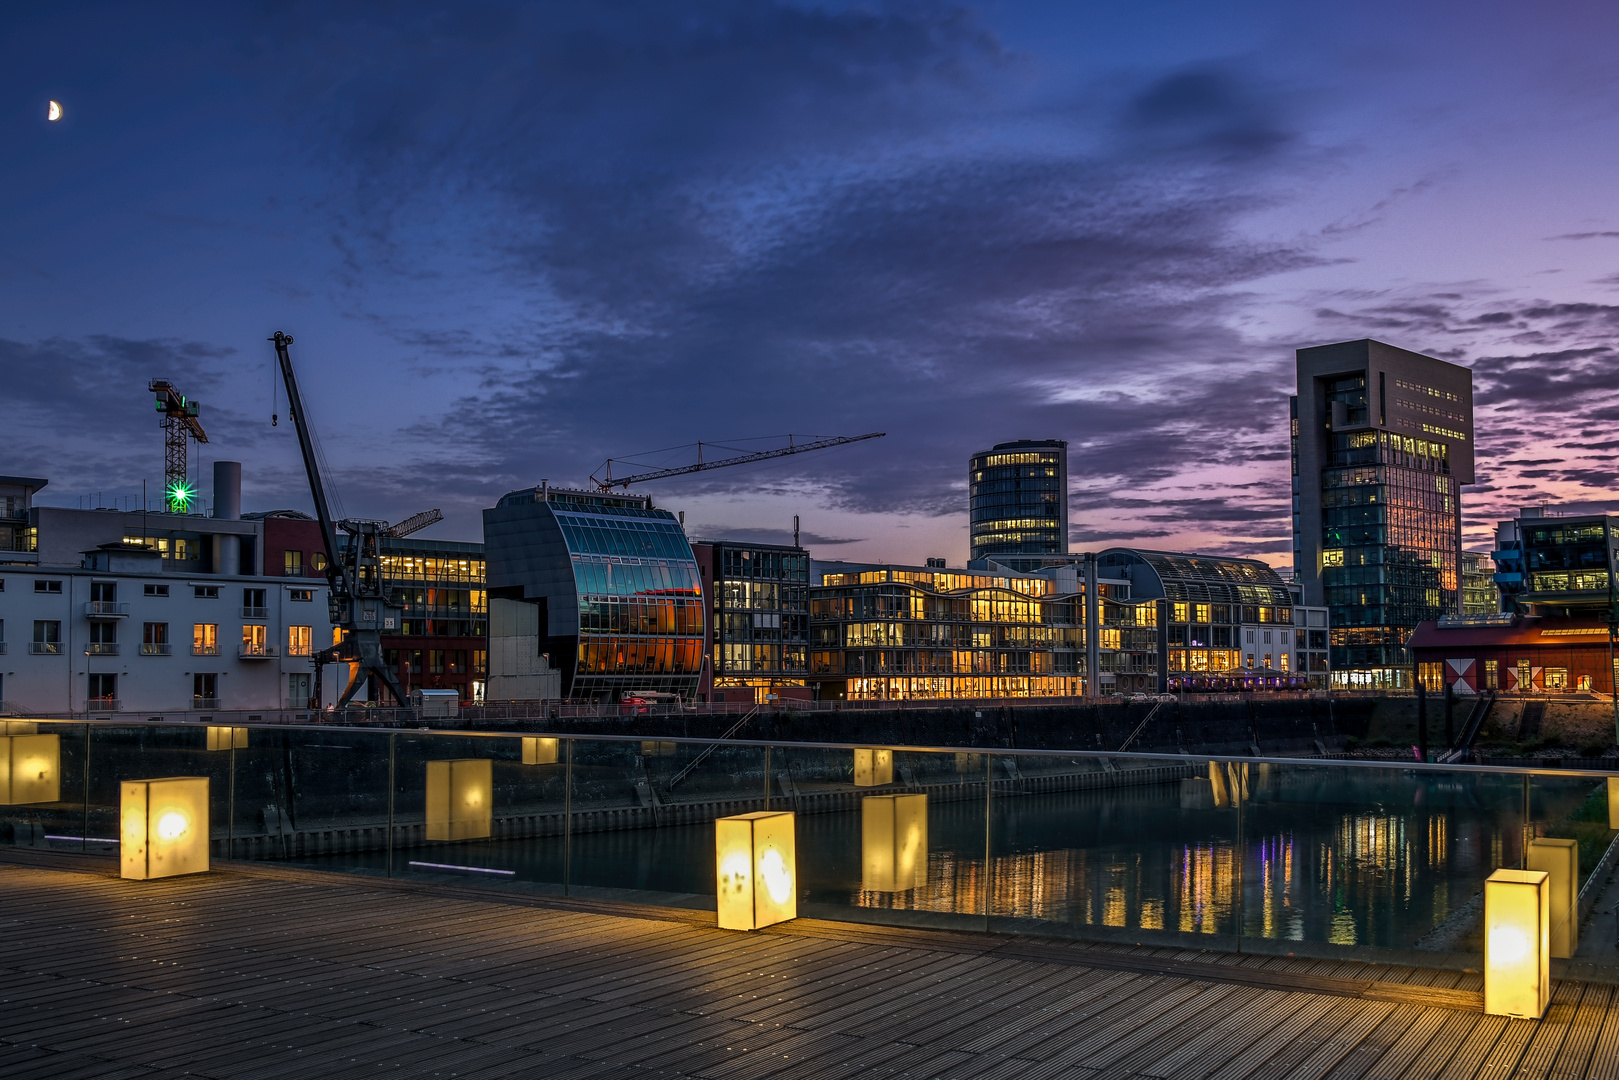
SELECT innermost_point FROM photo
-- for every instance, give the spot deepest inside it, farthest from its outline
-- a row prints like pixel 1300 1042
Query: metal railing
pixel 251 651
pixel 156 648
pixel 205 650
pixel 101 648
pixel 255 613
pixel 101 609
pixel 45 648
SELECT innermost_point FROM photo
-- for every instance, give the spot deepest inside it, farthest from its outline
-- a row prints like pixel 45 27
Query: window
pixel 299 639
pixel 1267 637
pixel 301 596
pixel 292 562
pixel 103 639
pixel 254 641
pixel 298 693
pixel 104 592
pixel 157 590
pixel 1492 674
pixel 155 639
pixel 1250 637
pixel 48 586
pixel 253 604
pixel 435 661
pixel 205 639
pixel 103 690
pixel 1556 678
pixel 317 562
pixel 205 592
pixel 205 690
pixel 1431 676
pixel 47 637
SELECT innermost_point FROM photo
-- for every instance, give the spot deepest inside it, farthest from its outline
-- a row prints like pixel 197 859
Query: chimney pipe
pixel 228 490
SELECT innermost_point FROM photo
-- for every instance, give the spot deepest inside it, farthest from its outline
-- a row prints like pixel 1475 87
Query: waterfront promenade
pixel 263 972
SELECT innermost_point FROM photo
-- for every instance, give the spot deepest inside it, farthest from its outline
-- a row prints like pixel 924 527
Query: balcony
pixel 98 704
pixel 105 609
pixel 2 648
pixel 255 613
pixel 45 648
pixel 205 650
pixel 101 648
pixel 152 648
pixel 250 651
pixel 202 703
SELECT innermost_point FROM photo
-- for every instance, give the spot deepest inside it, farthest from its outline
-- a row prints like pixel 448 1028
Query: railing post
pixel 989 792
pixel 567 818
pixel 767 778
pixel 230 804
pixel 84 830
pixel 391 737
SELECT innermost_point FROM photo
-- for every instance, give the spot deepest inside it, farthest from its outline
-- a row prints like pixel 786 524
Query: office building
pixel 1479 593
pixel 1382 442
pixel 153 614
pixel 1224 623
pixel 756 621
pixel 1018 499
pixel 615 584
pixel 1556 565
pixel 880 631
pixel 1514 653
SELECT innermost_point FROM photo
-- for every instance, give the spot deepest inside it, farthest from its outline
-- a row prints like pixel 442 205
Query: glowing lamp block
pixel 657 749
pixel 893 842
pixel 969 763
pixel 873 768
pixel 756 866
pixel 1517 943
pixel 30 769
pixel 460 799
pixel 539 751
pixel 1560 859
pixel 1613 802
pixel 163 827
pixel 227 738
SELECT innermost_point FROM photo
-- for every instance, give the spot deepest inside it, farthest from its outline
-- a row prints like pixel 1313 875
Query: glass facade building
pixel 1557 566
pixel 758 619
pixel 890 632
pixel 1479 594
pixel 1018 499
pixel 1382 442
pixel 617 585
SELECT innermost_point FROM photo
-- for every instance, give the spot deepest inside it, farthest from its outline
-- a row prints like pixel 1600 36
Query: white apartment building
pixel 136 621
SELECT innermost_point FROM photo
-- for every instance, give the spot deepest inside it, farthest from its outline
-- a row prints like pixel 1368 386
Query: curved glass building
pixel 618 591
pixel 1018 499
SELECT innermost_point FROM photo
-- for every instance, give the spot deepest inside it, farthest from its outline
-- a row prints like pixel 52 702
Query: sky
pixel 512 241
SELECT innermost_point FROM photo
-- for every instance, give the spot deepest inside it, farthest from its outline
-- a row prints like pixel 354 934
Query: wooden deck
pixel 258 972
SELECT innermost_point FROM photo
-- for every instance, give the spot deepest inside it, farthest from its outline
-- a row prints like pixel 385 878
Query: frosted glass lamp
pixel 1517 946
pixel 460 799
pixel 30 769
pixel 539 751
pixel 756 869
pixel 163 827
pixel 1560 859
pixel 227 738
pixel 893 842
pixel 873 768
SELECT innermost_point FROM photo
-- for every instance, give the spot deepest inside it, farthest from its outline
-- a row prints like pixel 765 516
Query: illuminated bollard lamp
pixel 873 768
pixel 1613 802
pixel 1517 945
pixel 227 738
pixel 756 869
pixel 893 842
pixel 539 751
pixel 1560 859
pixel 30 769
pixel 163 827
pixel 460 799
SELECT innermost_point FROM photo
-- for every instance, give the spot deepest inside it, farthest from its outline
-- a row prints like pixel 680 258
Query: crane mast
pixel 353 575
pixel 180 424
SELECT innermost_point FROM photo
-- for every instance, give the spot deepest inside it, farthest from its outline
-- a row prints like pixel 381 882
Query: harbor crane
pixel 359 606
pixel 609 481
pixel 180 424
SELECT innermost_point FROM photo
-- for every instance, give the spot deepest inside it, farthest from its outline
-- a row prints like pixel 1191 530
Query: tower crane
pixel 179 423
pixel 359 607
pixel 609 482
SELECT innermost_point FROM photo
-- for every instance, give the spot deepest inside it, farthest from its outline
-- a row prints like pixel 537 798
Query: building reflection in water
pixel 1351 861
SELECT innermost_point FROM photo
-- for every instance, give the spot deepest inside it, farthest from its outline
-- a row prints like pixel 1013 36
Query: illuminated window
pixel 299 640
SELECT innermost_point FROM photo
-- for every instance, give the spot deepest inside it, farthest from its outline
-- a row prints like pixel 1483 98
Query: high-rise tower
pixel 1382 444
pixel 1019 499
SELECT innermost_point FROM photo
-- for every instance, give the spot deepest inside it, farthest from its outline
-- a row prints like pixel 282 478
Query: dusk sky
pixel 514 240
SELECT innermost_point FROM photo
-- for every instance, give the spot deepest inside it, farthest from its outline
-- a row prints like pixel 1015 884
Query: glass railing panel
pixel 315 795
pixel 44 778
pixel 643 816
pixel 150 751
pixel 484 810
pixel 890 835
pixel 1579 813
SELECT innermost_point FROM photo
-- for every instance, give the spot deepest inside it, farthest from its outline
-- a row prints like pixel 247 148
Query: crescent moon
pixel 54 112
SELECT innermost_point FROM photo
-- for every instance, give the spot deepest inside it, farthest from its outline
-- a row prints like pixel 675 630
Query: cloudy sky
pixel 515 240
